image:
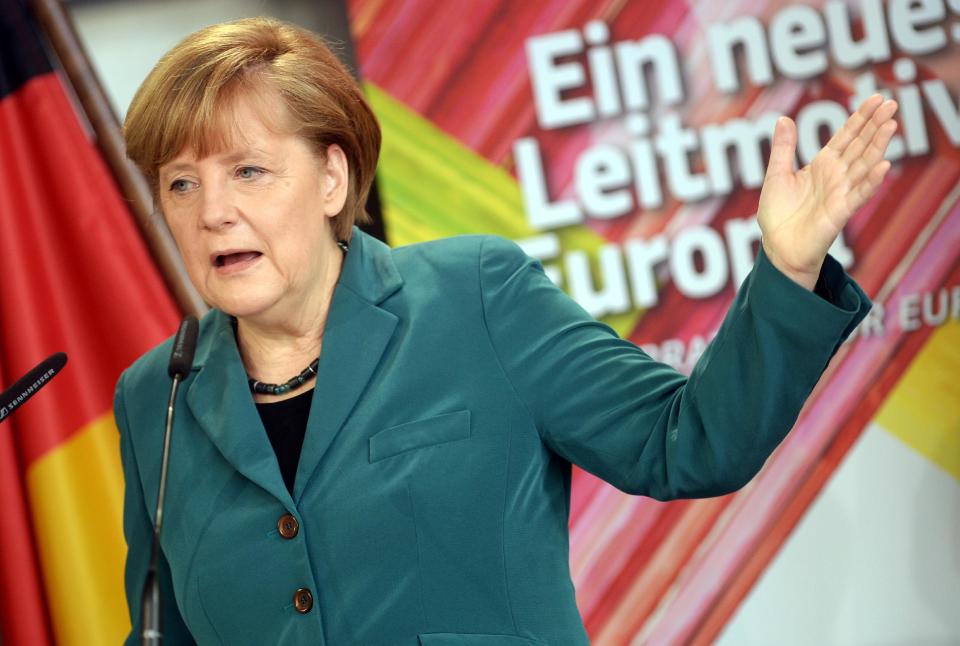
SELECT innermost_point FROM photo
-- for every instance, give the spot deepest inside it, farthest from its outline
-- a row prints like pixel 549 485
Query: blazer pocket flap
pixel 475 639
pixel 424 432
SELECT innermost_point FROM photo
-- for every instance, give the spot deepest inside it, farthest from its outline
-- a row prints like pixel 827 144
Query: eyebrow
pixel 243 154
pixel 169 169
pixel 229 158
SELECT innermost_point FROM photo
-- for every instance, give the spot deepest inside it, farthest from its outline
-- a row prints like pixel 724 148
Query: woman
pixel 416 489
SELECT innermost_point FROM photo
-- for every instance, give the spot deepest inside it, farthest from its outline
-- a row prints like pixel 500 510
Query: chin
pixel 243 306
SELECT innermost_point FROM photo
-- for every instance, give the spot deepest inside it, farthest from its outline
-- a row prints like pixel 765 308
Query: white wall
pixel 125 39
pixel 874 562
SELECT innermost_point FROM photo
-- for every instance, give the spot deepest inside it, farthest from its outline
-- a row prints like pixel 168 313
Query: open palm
pixel 802 212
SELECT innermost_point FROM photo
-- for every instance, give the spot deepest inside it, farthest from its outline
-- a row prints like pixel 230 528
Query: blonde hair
pixel 184 100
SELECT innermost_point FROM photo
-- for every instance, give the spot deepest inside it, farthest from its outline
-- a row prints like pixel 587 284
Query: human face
pixel 252 221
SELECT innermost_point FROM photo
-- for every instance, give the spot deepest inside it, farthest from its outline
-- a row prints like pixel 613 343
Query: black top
pixel 286 424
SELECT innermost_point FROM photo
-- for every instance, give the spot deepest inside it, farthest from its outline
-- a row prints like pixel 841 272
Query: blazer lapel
pixel 355 336
pixel 220 400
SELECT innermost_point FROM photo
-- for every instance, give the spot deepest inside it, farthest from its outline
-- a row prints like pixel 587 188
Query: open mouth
pixel 225 260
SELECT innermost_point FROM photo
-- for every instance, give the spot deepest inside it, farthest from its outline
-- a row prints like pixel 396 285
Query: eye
pixel 181 185
pixel 249 172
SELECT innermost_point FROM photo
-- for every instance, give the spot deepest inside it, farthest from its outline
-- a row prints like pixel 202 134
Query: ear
pixel 336 177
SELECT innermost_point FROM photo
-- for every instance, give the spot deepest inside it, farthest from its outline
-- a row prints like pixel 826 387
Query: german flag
pixel 75 276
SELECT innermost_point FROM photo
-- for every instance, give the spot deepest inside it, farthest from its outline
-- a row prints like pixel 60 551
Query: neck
pixel 275 347
pixel 272 355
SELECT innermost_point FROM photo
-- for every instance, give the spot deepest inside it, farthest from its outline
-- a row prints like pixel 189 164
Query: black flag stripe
pixel 22 56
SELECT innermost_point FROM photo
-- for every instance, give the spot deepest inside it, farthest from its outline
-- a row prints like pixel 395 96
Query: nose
pixel 217 210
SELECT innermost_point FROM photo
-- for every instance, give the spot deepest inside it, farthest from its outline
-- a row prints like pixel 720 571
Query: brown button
pixel 303 600
pixel 288 526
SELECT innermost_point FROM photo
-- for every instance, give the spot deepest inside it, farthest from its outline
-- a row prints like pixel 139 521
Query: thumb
pixel 783 147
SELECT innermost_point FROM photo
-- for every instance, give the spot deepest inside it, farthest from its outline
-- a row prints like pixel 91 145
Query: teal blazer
pixel 457 384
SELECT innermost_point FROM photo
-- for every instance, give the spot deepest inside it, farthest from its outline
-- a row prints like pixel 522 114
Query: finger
pixel 842 138
pixel 865 189
pixel 783 147
pixel 873 153
pixel 865 137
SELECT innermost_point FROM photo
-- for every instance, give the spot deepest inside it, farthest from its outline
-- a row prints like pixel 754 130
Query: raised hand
pixel 802 212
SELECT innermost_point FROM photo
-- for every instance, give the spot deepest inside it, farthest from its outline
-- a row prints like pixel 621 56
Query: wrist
pixel 806 279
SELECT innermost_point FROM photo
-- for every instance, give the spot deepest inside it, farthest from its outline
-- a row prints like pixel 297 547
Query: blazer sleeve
pixel 138 531
pixel 603 404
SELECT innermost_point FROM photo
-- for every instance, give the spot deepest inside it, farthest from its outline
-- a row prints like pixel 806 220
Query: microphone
pixel 28 385
pixel 181 360
pixel 184 345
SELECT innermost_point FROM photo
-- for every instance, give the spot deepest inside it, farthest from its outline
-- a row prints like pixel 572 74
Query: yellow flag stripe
pixel 76 496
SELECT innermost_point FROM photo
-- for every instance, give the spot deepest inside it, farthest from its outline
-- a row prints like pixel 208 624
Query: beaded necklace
pixel 279 389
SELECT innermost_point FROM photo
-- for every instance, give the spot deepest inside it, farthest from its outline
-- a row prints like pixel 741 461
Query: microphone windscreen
pixel 184 345
pixel 30 383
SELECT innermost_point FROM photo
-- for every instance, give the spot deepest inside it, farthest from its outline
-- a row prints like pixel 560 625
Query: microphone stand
pixel 150 607
pixel 152 634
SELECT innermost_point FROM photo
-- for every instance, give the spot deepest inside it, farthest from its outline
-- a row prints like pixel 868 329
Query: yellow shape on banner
pixel 923 409
pixel 76 495
pixel 434 187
